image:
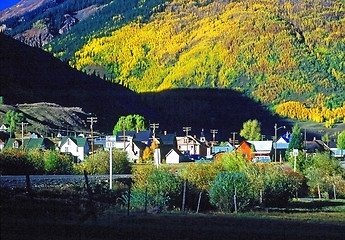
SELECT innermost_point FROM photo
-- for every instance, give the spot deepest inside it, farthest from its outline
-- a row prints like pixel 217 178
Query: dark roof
pixel 143 136
pixel 140 145
pixel 315 146
pixel 167 139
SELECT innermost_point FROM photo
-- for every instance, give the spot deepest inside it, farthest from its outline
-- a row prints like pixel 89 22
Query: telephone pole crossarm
pixel 91 120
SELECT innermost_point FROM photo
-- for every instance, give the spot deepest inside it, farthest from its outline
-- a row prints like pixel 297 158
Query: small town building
pixel 78 147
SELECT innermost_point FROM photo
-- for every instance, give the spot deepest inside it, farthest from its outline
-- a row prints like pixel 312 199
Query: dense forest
pixel 275 52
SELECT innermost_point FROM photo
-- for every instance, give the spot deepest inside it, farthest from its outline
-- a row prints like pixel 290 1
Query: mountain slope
pixel 44 78
pixel 271 51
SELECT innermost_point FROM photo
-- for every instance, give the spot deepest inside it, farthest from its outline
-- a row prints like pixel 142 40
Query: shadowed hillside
pixel 30 75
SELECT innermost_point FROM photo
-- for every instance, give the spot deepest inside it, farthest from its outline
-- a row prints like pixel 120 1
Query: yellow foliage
pixel 297 110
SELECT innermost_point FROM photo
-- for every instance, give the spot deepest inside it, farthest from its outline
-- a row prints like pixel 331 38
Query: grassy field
pixel 49 216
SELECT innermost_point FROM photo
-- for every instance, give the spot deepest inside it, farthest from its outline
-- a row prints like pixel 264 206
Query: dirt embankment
pixel 49 118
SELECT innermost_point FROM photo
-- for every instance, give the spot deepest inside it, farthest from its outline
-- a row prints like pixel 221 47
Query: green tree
pixel 341 140
pixel 296 141
pixel 12 118
pixel 251 130
pixel 130 123
pixel 322 171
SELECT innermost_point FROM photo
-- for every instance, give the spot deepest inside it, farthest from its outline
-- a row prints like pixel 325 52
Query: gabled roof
pixel 79 141
pixel 315 146
pixel 167 139
pixel 262 146
pixel 143 136
pixel 140 145
pixel 174 150
pixel 190 138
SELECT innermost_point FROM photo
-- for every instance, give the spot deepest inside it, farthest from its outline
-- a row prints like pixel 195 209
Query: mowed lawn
pixel 36 221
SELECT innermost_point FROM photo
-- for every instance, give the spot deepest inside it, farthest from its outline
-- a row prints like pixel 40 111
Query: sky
pixel 7 3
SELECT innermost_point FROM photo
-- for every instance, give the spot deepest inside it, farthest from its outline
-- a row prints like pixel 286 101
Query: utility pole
pixel 124 135
pixel 214 132
pixel 154 126
pixel 233 138
pixel 186 130
pixel 22 124
pixel 91 120
pixel 276 128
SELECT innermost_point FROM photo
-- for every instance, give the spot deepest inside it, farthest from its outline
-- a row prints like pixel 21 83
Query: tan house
pixel 191 146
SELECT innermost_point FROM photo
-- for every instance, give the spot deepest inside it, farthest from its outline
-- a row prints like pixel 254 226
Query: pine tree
pixel 296 141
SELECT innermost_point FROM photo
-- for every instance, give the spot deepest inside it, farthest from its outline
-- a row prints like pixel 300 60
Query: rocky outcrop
pixel 68 22
pixel 36 36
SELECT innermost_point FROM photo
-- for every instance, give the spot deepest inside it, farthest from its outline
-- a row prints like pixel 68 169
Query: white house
pixel 174 156
pixel 262 150
pixel 77 147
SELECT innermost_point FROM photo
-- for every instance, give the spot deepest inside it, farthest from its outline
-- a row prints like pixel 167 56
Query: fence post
pixel 184 195
pixel 28 184
pixel 129 196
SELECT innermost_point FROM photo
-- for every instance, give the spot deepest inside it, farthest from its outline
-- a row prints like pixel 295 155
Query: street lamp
pixel 276 128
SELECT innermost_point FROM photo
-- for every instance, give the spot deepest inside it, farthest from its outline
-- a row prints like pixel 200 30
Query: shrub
pixel 98 163
pixel 57 163
pixel 163 188
pixel 228 186
pixel 15 162
pixel 279 186
pixel 35 157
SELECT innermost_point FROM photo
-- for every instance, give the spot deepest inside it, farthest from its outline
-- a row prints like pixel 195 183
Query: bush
pixel 57 163
pixel 35 157
pixel 228 185
pixel 279 186
pixel 98 163
pixel 163 189
pixel 15 162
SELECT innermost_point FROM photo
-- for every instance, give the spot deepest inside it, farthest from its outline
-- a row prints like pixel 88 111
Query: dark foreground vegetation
pixel 71 213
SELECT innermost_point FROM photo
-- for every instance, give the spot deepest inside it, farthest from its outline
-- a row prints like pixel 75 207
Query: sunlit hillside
pixel 271 50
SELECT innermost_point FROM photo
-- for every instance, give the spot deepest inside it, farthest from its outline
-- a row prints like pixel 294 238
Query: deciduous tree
pixel 251 130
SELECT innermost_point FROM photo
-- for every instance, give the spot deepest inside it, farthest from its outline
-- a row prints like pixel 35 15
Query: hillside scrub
pixel 271 51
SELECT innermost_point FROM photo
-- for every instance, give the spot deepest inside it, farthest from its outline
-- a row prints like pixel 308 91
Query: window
pixel 15 144
pixel 66 149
